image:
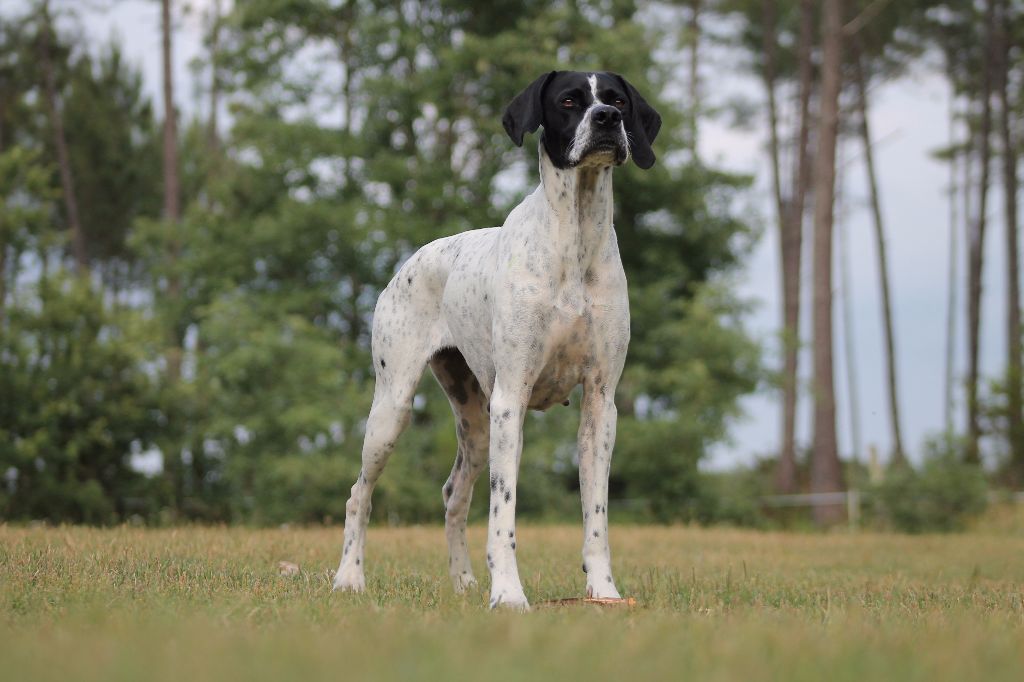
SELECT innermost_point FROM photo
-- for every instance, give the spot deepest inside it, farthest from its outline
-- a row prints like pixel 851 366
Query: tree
pixel 171 181
pixel 359 131
pixel 1015 379
pixel 826 474
pixel 898 456
pixel 115 159
pixel 46 60
pixel 789 206
pixel 976 236
pixel 75 402
pixel 419 136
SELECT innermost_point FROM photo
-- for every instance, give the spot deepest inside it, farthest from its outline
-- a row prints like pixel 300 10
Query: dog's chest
pixel 571 345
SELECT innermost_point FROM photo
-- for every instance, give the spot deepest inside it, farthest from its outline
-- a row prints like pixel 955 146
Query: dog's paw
pixel 463 582
pixel 510 600
pixel 349 580
pixel 606 591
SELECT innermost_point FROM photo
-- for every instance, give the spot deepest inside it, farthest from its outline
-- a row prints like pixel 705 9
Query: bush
pixel 733 498
pixel 941 496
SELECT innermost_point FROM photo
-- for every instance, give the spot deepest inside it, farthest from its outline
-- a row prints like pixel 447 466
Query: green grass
pixel 195 604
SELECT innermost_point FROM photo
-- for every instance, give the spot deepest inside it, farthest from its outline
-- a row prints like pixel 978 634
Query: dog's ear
pixel 642 124
pixel 525 113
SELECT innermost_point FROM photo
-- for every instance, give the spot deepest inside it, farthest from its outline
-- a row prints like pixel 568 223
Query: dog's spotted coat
pixel 512 318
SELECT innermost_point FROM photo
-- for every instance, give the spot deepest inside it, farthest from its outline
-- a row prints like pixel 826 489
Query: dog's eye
pixel 619 103
pixel 568 103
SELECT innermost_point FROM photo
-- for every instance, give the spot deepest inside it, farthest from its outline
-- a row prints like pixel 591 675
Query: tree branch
pixel 864 18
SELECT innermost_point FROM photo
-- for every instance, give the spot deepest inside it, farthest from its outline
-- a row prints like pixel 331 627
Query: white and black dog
pixel 512 318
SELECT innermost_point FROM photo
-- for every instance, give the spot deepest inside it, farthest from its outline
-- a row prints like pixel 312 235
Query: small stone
pixel 287 569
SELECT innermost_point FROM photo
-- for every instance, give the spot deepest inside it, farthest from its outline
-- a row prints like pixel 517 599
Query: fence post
pixel 853 508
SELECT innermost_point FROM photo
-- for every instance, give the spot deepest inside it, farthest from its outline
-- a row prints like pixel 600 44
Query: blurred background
pixel 200 201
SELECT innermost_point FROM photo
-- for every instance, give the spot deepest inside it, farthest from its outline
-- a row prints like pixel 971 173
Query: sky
pixel 909 121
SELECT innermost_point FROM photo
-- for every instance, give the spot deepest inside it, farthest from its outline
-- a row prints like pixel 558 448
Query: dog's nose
pixel 606 116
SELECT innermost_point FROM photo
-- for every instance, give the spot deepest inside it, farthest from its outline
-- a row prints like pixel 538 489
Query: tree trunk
pixel 212 126
pixel 785 472
pixel 693 30
pixel 345 57
pixel 172 188
pixel 846 302
pixel 1015 427
pixel 826 473
pixel 174 465
pixel 954 259
pixel 60 142
pixel 898 456
pixel 977 243
pixel 3 282
pixel 790 213
pixel 3 242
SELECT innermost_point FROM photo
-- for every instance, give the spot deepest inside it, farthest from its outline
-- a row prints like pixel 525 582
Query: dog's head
pixel 588 118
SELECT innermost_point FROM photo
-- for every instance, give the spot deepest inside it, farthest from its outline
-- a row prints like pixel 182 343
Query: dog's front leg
pixel 508 408
pixel 596 440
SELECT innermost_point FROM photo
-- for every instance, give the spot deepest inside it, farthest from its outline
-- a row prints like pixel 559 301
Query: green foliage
pixel 26 196
pixel 75 402
pixel 734 497
pixel 994 413
pixel 114 156
pixel 360 131
pixel 940 496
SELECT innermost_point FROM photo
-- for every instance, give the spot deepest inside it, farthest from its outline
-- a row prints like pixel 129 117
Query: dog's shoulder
pixel 434 261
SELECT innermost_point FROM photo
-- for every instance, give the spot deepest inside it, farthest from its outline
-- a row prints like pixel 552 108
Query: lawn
pixel 196 604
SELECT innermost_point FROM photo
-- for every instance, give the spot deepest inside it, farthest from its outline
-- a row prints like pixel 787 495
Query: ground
pixel 198 604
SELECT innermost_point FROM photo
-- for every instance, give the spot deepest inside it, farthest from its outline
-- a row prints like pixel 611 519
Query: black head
pixel 588 118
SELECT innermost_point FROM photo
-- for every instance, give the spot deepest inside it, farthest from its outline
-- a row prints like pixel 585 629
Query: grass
pixel 196 604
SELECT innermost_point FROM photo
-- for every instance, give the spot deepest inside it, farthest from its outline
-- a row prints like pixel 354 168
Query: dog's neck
pixel 579 204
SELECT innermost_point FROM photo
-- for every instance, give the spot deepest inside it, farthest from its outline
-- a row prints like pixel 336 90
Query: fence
pixel 853 499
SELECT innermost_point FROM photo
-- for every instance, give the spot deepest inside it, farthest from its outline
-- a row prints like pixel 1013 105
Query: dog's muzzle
pixel 607 135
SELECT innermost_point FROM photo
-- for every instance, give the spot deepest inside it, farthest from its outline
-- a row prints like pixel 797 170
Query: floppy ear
pixel 642 124
pixel 525 113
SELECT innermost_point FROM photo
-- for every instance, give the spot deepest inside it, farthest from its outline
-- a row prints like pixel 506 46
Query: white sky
pixel 908 115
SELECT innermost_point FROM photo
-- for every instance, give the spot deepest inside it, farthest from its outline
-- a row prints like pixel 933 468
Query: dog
pixel 513 318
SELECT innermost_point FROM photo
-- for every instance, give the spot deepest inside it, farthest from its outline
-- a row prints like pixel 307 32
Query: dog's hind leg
pixel 402 343
pixel 388 418
pixel 472 425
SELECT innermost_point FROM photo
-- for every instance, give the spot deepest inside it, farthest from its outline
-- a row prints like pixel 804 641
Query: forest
pixel 188 268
